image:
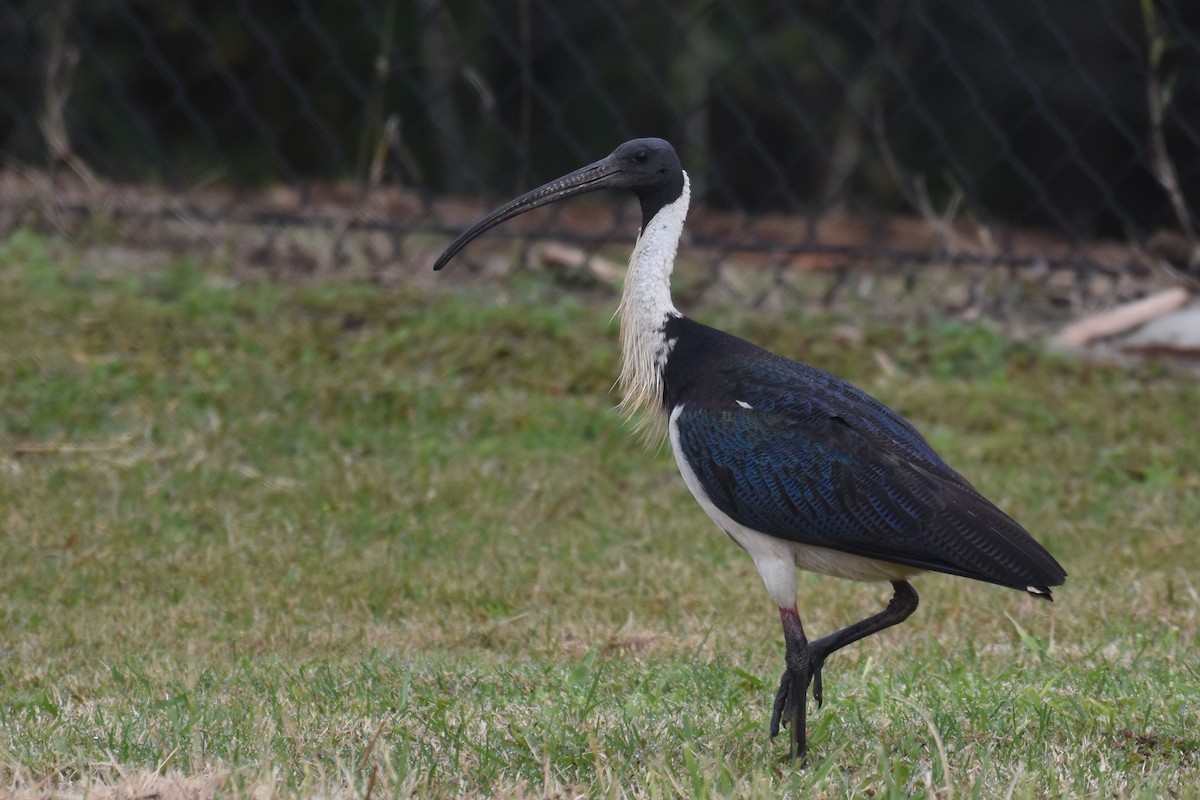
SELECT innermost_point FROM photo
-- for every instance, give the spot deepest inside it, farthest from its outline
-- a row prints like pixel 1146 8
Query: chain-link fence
pixel 827 132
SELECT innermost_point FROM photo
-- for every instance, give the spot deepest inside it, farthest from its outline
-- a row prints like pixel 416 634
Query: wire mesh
pixel 827 134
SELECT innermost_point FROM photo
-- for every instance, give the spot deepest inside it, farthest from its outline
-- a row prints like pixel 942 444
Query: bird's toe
pixel 789 711
pixel 818 689
pixel 779 712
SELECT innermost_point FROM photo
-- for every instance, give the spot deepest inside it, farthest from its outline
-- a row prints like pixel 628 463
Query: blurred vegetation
pixel 1036 114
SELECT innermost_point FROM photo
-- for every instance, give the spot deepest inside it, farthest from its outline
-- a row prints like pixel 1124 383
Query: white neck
pixel 645 307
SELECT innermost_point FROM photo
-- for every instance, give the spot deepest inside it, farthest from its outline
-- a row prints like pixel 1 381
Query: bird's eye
pixel 640 156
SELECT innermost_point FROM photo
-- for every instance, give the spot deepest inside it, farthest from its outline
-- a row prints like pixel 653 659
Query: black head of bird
pixel 798 467
pixel 649 167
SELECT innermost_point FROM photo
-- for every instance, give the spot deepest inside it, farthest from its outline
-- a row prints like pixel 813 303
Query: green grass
pixel 345 541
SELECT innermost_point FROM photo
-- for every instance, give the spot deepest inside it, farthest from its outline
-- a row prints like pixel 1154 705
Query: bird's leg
pixel 901 606
pixel 805 660
pixel 792 697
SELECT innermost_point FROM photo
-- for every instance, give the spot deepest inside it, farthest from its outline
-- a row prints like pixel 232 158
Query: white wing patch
pixel 744 405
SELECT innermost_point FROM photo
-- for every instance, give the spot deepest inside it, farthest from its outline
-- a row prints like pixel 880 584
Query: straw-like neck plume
pixel 645 308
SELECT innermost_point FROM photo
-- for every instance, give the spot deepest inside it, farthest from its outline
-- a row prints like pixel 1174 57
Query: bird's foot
pixel 789 710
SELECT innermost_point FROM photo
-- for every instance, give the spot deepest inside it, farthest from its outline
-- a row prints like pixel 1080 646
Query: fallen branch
pixel 602 269
pixel 1121 318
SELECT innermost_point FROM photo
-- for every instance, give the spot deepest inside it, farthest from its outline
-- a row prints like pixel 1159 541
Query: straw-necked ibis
pixel 796 465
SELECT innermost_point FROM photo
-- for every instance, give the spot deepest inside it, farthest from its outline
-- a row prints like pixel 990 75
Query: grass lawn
pixel 264 539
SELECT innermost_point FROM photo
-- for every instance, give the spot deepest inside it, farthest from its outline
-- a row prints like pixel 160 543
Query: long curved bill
pixel 599 175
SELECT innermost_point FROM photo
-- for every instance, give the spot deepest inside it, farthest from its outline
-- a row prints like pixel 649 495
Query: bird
pixel 797 466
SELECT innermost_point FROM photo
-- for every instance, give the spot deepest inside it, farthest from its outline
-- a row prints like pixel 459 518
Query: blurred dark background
pixel 1065 117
